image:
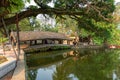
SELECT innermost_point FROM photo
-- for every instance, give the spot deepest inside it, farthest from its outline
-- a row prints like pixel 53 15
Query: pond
pixel 82 64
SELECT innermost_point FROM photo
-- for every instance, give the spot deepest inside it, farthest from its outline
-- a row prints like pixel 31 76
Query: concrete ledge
pixel 19 73
pixel 7 66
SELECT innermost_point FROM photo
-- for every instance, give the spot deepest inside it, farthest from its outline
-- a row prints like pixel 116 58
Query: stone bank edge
pixel 7 66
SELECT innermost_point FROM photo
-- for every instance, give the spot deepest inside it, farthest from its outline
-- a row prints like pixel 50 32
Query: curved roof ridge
pixel 34 35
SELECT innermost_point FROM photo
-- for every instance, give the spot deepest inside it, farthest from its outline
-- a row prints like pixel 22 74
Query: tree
pixel 66 25
pixel 116 14
pixel 85 12
pixel 101 9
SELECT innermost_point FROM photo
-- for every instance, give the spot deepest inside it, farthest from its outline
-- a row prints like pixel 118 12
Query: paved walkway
pixel 19 73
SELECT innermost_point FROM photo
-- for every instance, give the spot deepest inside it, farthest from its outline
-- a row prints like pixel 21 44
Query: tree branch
pixel 35 12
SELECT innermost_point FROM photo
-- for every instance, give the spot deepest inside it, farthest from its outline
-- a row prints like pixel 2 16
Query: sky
pixel 117 1
pixel 31 3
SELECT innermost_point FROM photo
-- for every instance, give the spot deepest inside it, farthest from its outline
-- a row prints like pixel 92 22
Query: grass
pixel 2 59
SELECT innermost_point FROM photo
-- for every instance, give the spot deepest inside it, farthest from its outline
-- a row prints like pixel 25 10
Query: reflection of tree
pixel 38 60
pixel 62 71
pixel 60 74
pixel 97 65
pixel 89 65
pixel 32 74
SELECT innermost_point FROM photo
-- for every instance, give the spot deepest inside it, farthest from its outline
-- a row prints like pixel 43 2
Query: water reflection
pixel 81 64
pixel 46 73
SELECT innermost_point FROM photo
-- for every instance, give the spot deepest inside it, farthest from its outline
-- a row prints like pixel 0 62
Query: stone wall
pixel 7 66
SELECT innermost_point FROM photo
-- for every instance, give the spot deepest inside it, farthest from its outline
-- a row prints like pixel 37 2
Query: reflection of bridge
pixel 45 60
pixel 49 64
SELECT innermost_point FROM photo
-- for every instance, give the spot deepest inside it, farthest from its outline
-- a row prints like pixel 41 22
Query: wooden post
pixel 18 41
pixel 30 42
pixel 60 41
pixel 35 42
pixel 68 42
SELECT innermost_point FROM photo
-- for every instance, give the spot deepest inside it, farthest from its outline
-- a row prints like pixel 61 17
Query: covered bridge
pixel 39 37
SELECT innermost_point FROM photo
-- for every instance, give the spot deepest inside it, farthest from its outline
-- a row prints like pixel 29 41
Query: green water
pixel 81 64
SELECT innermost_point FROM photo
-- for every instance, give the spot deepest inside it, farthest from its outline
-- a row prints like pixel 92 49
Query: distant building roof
pixel 36 35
